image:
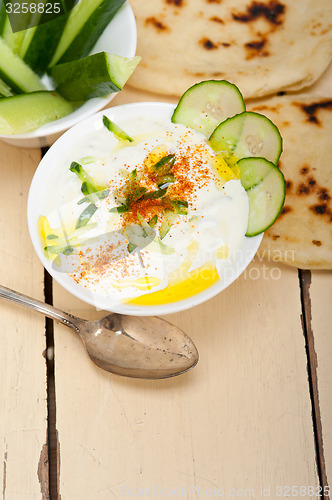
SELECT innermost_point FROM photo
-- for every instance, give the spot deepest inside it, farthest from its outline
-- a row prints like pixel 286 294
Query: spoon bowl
pixel 139 347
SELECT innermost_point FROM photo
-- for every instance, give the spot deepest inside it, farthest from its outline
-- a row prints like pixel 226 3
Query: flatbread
pixel 261 46
pixel 302 234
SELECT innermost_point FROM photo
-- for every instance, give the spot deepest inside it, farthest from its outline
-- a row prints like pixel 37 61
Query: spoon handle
pixel 46 309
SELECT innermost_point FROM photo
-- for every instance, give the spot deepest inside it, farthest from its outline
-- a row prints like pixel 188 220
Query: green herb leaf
pixel 119 210
pixel 90 198
pixel 68 250
pixel 169 219
pixel 56 249
pixel 147 229
pixel 135 195
pixel 134 175
pixel 84 188
pixel 153 221
pixel 153 195
pixel 133 191
pixel 88 185
pixel 131 247
pixel 86 215
pixel 181 207
pixel 87 159
pixel 164 165
pixel 165 180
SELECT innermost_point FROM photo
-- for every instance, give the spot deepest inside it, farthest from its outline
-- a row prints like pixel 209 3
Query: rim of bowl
pixel 125 15
pixel 153 109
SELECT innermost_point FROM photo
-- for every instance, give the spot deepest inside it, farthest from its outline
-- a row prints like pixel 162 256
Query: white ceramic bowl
pixel 119 37
pixel 38 194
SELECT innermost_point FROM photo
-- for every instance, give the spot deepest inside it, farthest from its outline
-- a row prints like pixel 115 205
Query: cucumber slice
pixel 266 189
pixel 116 130
pixel 13 40
pixel 248 134
pixel 16 73
pixel 204 105
pixel 40 43
pixel 5 91
pixel 25 112
pixel 93 76
pixel 253 171
pixel 86 22
pixel 36 19
pixel 3 16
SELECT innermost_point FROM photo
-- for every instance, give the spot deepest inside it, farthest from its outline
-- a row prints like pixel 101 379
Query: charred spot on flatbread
pixel 264 107
pixel 157 24
pixel 216 19
pixel 311 110
pixel 310 186
pixel 323 195
pixel 303 189
pixel 177 3
pixel 289 185
pixel 256 48
pixel 272 11
pixel 322 207
pixel 285 210
pixel 208 44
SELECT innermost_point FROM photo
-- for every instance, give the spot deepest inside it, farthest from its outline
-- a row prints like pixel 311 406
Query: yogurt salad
pixel 142 211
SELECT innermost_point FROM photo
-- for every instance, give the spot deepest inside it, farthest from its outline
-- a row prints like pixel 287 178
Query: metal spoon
pixel 141 347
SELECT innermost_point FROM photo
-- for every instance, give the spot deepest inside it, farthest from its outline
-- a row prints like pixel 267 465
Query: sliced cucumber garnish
pixel 3 17
pixel 93 76
pixel 168 221
pixel 248 134
pixel 266 189
pixel 253 172
pixel 86 22
pixel 40 43
pixel 116 130
pixel 15 73
pixel 24 112
pixel 204 105
pixel 5 90
pixel 13 40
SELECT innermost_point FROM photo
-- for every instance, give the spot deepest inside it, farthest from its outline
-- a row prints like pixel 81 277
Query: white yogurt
pixel 210 234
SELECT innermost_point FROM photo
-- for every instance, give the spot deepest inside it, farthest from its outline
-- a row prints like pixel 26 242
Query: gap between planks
pixel 52 434
pixel 305 281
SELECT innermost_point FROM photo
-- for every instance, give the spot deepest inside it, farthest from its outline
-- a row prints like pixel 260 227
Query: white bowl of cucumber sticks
pixel 103 27
pixel 182 190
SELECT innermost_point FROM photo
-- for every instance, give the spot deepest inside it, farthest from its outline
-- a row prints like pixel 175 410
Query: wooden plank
pixel 321 297
pixel 240 421
pixel 23 424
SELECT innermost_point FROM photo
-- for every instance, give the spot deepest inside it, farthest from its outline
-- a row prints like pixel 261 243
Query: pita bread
pixel 302 234
pixel 262 46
